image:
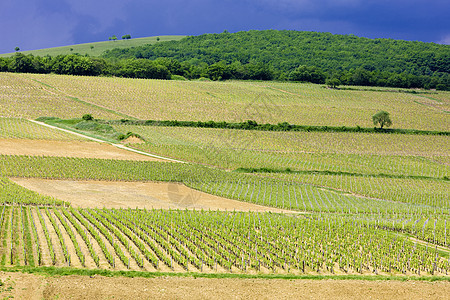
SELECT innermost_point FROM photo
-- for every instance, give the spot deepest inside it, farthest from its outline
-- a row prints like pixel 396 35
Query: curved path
pixel 101 141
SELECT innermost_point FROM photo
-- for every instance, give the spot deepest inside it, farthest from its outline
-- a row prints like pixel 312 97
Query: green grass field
pixel 98 47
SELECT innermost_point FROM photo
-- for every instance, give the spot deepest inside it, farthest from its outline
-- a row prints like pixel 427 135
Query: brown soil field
pixel 109 194
pixel 28 286
pixel 68 149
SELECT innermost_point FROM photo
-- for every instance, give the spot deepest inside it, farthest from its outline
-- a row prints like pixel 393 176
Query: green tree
pixel 17 49
pixel 332 82
pixel 307 73
pixel 382 118
pixel 73 65
pixel 20 63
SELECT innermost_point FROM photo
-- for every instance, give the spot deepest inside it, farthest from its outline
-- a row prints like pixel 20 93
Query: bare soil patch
pixel 68 149
pixel 28 286
pixel 110 194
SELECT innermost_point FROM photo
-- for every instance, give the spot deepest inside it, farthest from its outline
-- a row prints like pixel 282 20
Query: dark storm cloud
pixel 48 23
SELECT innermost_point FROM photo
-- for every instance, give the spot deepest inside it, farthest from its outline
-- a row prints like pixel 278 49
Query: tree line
pixel 263 55
pixel 381 118
pixel 166 68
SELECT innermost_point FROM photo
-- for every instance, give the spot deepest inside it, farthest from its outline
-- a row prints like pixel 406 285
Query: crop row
pixel 210 242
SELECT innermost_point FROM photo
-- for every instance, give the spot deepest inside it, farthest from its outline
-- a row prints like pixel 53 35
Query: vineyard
pixel 202 241
pixel 339 203
pixel 34 95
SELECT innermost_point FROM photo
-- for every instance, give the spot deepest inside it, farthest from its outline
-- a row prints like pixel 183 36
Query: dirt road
pixel 27 286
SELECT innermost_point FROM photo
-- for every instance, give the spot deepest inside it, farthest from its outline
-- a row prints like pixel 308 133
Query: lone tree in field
pixel 382 118
pixel 17 49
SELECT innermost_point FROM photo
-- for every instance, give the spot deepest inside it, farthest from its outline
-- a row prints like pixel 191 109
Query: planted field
pixel 22 96
pixel 245 202
pixel 296 103
pixel 368 154
pixel 208 242
pixel 14 128
pixel 284 192
pixel 294 142
pixel 429 192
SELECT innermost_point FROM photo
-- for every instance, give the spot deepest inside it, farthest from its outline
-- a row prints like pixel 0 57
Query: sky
pixel 36 24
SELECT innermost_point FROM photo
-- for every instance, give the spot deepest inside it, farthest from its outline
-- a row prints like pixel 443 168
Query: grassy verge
pixel 91 128
pixel 54 271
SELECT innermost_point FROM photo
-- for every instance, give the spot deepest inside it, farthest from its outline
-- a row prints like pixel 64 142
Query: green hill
pixel 286 50
pixel 256 55
pixel 96 49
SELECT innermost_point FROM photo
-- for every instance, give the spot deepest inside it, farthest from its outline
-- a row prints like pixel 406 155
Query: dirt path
pixel 69 149
pixel 110 194
pixel 28 286
pixel 104 142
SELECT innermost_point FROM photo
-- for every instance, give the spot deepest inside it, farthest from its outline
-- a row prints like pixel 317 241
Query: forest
pixel 322 58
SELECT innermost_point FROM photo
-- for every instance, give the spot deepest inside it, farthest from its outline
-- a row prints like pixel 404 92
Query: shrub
pixel 88 117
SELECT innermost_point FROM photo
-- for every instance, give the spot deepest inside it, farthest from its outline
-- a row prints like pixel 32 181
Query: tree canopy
pixel 382 118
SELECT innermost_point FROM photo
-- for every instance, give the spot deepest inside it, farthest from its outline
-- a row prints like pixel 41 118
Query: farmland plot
pixel 23 96
pixel 295 103
pixel 209 242
pixel 15 128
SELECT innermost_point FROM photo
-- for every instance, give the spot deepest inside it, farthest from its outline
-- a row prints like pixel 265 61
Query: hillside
pixel 36 95
pixel 286 50
pixel 97 48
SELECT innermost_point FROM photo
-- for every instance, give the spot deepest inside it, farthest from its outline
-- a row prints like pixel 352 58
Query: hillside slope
pixel 97 48
pixel 286 50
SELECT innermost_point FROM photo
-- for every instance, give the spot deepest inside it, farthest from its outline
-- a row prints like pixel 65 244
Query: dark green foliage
pixel 333 82
pixel 309 74
pixel 286 50
pixel 143 68
pixel 285 126
pixel 20 63
pixel 352 60
pixel 382 118
pixel 88 117
pixel 73 65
